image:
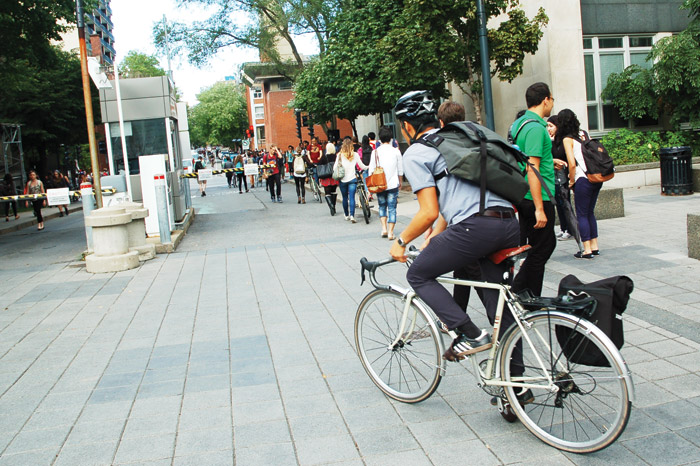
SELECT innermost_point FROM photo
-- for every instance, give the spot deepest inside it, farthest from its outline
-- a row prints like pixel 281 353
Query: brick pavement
pixel 239 347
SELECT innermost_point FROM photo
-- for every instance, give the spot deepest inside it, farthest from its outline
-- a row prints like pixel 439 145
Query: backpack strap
pixel 529 120
pixel 482 160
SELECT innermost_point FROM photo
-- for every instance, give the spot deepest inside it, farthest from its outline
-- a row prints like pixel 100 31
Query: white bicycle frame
pixel 487 377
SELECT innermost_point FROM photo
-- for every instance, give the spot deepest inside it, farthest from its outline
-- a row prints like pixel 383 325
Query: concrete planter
pixel 110 241
pixel 136 231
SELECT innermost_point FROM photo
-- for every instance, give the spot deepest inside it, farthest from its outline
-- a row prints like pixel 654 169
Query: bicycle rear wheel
pixel 365 204
pixel 410 370
pixel 315 189
pixel 591 406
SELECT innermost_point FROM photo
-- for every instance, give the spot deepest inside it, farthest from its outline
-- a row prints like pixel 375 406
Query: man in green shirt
pixel 536 211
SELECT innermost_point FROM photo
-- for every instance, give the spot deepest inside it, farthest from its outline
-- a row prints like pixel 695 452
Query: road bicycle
pixel 362 195
pixel 313 185
pixel 573 407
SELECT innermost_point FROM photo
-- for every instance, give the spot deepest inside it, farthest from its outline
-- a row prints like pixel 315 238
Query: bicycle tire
pixel 411 370
pixel 317 193
pixel 365 205
pixel 592 405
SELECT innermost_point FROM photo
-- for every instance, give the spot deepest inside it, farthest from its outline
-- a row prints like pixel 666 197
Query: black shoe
pixel 204 194
pixel 464 346
pixel 580 255
pixel 60 213
pixel 595 252
pixel 524 398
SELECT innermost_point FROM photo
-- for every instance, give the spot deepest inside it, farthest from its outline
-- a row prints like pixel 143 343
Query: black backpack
pixel 470 149
pixel 612 295
pixel 599 165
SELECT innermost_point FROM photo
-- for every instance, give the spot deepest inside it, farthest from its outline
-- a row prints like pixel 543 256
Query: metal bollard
pixel 162 202
pixel 88 199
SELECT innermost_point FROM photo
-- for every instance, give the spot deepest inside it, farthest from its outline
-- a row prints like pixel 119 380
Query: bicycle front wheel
pixel 591 404
pixel 408 367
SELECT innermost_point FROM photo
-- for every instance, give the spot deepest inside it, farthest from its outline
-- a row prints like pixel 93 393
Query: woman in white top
pixel 585 192
pixel 348 184
pixel 389 158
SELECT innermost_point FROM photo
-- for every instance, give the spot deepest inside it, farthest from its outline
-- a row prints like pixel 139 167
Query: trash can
pixel 676 171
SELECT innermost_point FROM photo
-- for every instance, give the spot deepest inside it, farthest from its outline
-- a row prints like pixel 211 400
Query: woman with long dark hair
pixel 585 193
pixel 35 186
pixel 561 178
pixel 365 153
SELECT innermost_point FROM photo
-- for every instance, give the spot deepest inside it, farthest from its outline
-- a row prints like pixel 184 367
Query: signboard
pixel 58 196
pixel 251 169
pixel 245 144
pixel 97 73
pixel 204 174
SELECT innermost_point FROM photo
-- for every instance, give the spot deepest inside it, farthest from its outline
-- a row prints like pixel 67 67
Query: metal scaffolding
pixel 12 153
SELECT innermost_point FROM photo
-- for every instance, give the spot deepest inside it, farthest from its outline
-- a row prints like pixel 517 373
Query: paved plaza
pixel 239 348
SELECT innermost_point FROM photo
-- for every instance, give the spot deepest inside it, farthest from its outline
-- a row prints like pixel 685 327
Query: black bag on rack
pixel 612 295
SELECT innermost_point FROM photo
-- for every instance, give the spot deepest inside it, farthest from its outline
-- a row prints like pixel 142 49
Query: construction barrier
pixel 35 197
pixel 227 170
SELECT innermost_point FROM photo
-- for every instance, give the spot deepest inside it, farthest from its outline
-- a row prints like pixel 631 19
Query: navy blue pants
pixel 466 242
pixel 586 196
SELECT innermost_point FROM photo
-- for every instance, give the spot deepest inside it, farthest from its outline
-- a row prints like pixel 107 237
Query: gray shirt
pixel 458 198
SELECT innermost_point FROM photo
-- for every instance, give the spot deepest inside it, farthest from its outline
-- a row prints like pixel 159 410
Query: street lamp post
pixel 485 64
pixel 87 97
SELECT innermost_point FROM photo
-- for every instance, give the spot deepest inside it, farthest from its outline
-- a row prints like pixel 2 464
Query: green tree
pixel 139 65
pixel 378 49
pixel 40 85
pixel 220 116
pixel 671 86
pixel 254 23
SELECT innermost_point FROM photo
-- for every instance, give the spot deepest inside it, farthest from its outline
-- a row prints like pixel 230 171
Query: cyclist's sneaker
pixel 464 346
pixel 441 326
pixel 524 397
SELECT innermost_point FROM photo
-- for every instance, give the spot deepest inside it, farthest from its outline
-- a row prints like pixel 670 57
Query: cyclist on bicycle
pixel 460 236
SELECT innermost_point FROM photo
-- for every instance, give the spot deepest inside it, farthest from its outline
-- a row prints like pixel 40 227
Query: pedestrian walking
pixel 289 156
pixel 7 188
pixel 202 183
pixel 330 185
pixel 240 175
pixel 585 192
pixel 35 186
pixel 275 159
pixel 315 152
pixel 299 166
pixel 348 159
pixel 58 181
pixel 389 159
pixel 365 153
pixel 228 165
pixel 536 211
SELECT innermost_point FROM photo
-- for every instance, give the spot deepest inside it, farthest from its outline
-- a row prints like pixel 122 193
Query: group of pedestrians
pixel 34 186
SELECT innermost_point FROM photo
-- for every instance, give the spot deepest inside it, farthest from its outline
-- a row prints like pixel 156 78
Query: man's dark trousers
pixel 543 242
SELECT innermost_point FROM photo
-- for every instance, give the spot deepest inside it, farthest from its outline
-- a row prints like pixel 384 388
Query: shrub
pixel 628 147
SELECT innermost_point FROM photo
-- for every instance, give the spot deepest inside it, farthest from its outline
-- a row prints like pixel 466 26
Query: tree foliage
pixel 220 116
pixel 379 49
pixel 140 65
pixel 40 85
pixel 254 23
pixel 671 86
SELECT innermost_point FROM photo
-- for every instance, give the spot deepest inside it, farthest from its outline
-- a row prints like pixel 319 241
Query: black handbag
pixel 324 170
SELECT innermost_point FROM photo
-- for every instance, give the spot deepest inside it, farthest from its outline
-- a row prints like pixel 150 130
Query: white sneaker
pixel 564 236
pixel 352 219
pixel 559 233
pixel 347 217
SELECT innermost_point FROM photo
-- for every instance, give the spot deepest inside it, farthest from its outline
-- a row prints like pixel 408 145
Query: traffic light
pixel 101 147
pixel 298 116
pixel 310 124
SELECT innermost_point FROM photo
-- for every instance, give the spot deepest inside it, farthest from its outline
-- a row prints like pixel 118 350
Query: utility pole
pixel 87 96
pixel 485 64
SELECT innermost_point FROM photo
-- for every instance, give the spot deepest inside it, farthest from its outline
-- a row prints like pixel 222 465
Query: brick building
pixel 268 96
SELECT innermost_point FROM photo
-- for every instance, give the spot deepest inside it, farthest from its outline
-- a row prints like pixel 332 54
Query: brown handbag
pixel 376 182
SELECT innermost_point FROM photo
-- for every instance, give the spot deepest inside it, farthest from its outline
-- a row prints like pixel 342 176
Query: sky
pixel 133 25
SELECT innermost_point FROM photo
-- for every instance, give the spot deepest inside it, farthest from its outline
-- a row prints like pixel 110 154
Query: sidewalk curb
pixel 22 223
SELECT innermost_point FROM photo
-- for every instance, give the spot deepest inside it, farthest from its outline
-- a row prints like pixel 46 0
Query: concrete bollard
pixel 137 231
pixel 162 203
pixel 110 241
pixel 88 206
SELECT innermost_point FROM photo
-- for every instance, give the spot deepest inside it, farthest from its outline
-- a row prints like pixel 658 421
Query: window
pixel 260 135
pixel 143 137
pixel 603 56
pixel 257 93
pixel 259 112
pixel 285 85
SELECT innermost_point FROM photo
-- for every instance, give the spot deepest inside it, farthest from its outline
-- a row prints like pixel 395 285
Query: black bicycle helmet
pixel 415 103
